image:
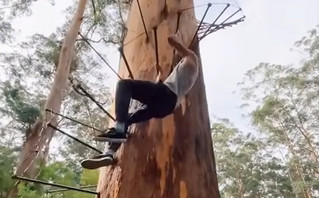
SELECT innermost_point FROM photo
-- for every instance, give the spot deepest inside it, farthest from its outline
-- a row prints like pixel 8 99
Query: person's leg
pixel 105 159
pixel 122 102
pixel 158 100
pixel 143 91
pixel 159 107
pixel 140 114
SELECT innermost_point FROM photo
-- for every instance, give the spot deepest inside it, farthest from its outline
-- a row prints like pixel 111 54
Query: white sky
pixel 267 34
pixel 269 31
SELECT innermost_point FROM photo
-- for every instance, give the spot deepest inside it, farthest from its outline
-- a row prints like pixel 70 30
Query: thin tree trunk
pixel 300 127
pixel 299 175
pixel 38 139
pixel 305 133
pixel 170 157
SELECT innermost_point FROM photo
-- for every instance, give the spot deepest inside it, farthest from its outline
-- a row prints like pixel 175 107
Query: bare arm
pixel 177 44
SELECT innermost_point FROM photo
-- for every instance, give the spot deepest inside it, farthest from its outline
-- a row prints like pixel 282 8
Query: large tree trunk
pixel 39 136
pixel 170 157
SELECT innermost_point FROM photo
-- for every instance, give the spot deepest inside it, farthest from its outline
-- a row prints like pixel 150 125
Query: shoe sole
pixel 112 140
pixel 97 163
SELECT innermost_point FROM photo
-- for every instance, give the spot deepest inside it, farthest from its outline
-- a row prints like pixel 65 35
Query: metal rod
pixel 220 26
pixel 156 46
pixel 121 50
pixel 74 138
pixel 53 184
pixel 139 7
pixel 182 10
pixel 222 12
pixel 73 120
pixel 200 24
pixel 133 39
pixel 222 22
pixel 178 19
pixel 81 187
pixel 82 94
pixel 99 55
pixel 179 13
pixel 77 91
pixel 231 15
pixel 98 104
pixel 94 10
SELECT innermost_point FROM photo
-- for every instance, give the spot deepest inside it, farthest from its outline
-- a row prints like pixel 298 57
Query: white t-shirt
pixel 182 78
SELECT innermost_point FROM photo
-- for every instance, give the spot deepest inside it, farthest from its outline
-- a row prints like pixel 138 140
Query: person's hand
pixel 159 76
pixel 174 38
pixel 178 34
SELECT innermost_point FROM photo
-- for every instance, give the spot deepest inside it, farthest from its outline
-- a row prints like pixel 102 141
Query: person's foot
pixel 98 161
pixel 111 136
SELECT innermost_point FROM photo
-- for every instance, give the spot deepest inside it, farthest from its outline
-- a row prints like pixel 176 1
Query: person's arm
pixel 175 42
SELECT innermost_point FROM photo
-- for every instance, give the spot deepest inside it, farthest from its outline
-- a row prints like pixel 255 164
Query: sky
pixel 269 31
pixel 267 35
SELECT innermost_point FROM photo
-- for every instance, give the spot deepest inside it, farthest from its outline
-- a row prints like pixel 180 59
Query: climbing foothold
pixel 120 49
pixel 209 4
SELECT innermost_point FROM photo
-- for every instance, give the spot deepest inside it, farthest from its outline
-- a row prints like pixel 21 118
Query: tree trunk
pixel 295 171
pixel 35 148
pixel 170 157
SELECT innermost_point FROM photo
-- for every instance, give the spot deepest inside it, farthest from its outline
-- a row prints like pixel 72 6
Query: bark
pixel 35 147
pixel 170 157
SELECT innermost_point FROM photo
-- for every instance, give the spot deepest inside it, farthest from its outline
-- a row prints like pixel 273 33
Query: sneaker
pixel 111 136
pixel 98 161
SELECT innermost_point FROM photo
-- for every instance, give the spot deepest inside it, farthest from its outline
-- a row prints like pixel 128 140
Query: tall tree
pixel 30 68
pixel 172 157
pixel 36 144
pixel 247 165
pixel 284 101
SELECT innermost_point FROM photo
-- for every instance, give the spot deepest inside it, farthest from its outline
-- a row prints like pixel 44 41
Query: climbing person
pixel 159 99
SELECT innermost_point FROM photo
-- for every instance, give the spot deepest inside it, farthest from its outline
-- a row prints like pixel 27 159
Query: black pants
pixel 157 99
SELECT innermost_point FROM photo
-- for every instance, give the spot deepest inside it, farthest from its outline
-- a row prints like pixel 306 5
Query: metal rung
pixel 121 50
pixel 62 190
pixel 74 138
pixel 156 47
pixel 53 184
pixel 73 120
pixel 201 21
pixel 139 8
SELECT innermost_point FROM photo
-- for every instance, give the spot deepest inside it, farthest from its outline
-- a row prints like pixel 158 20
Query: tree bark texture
pixel 171 157
pixel 35 147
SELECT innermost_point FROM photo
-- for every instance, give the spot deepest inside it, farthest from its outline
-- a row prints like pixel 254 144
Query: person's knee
pixel 123 83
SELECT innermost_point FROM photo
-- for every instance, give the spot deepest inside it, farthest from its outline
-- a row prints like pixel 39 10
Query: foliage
pixel 58 172
pixel 283 101
pixel 29 67
pixel 7 160
pixel 245 165
pixel 15 101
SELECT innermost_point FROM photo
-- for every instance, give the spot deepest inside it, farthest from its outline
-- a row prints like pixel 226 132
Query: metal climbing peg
pixel 121 50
